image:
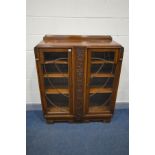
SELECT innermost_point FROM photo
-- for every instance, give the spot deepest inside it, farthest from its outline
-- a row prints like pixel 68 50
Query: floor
pixel 94 138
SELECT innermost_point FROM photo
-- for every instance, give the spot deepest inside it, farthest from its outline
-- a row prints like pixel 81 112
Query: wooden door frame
pixel 39 61
pixel 87 80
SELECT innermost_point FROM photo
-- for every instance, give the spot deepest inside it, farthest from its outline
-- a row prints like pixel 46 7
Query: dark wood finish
pixel 79 84
pixel 77 99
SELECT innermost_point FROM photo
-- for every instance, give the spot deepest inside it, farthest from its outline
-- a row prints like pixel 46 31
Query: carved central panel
pixel 79 77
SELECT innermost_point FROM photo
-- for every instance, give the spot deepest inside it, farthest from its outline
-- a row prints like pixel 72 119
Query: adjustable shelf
pixel 56 62
pixel 55 75
pixel 78 77
pixel 101 62
pixel 99 109
pixel 101 75
pixel 58 110
pixel 100 90
pixel 57 91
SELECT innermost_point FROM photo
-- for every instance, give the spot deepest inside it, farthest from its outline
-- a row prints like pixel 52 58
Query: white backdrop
pixel 88 17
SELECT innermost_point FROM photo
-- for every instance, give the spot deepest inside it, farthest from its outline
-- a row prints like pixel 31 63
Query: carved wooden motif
pixel 79 84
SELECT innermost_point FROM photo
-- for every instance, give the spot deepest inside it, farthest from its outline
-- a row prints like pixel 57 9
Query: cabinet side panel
pixel 117 77
pixel 40 81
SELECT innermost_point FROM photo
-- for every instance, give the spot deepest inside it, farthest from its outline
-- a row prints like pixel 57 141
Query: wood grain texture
pixel 79 82
pixel 56 75
pixel 79 49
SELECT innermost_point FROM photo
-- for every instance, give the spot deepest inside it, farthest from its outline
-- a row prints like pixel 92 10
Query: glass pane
pixel 57 103
pixel 102 68
pixel 101 80
pixel 99 99
pixel 98 102
pixel 55 55
pixel 103 55
pixel 55 70
pixel 56 82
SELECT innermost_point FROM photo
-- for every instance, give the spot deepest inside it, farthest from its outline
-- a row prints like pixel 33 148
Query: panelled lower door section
pixel 101 69
pixel 57 80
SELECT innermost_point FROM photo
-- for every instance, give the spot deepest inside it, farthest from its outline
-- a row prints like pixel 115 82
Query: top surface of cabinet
pixel 77 40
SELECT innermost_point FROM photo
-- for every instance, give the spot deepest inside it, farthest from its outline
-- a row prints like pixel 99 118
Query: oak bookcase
pixel 78 77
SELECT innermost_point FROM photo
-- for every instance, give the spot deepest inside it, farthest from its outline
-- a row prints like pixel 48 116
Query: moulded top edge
pixel 76 38
pixel 102 41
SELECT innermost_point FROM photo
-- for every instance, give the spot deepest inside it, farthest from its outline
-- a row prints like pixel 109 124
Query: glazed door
pixel 100 80
pixel 56 81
